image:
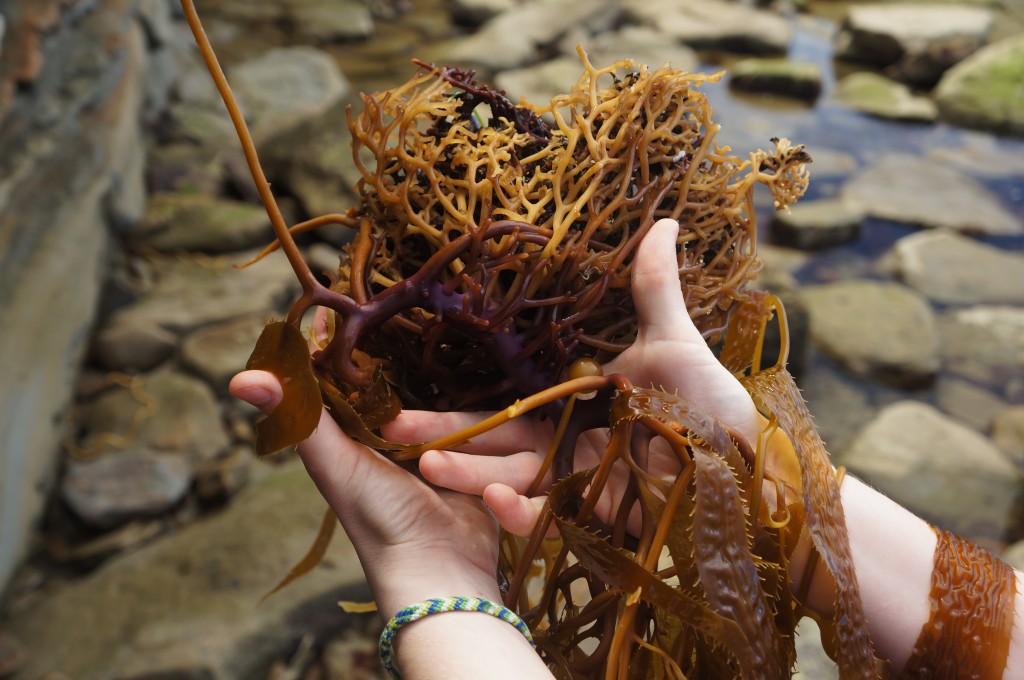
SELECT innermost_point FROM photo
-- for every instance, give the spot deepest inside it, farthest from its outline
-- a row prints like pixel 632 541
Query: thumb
pixel 660 307
pixel 259 388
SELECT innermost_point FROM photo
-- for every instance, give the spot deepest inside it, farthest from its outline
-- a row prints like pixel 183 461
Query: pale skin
pixel 437 536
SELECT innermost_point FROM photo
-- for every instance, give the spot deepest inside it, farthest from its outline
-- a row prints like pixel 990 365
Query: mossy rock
pixel 796 79
pixel 879 96
pixel 986 91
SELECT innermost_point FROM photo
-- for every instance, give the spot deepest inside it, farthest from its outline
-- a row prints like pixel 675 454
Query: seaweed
pixel 493 249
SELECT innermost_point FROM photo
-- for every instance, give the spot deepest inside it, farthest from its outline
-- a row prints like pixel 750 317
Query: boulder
pixel 968 402
pixel 877 95
pixel 124 346
pixel 985 91
pixel 715 24
pixel 891 189
pixel 794 79
pixel 1008 433
pixel 195 221
pixel 956 270
pixel 186 606
pixel 538 84
pixel 840 406
pixel 917 41
pixel 163 411
pixel 943 471
pixel 985 344
pixel 218 351
pixel 812 225
pixel 642 44
pixel 881 331
pixel 111 489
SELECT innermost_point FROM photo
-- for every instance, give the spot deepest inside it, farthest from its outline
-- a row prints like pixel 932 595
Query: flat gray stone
pixel 218 351
pixel 812 225
pixel 985 344
pixel 164 412
pixel 891 190
pixel 1008 433
pixel 715 24
pixel 538 84
pixel 917 40
pixel 114 488
pixel 879 96
pixel 785 77
pixel 955 270
pixel 915 454
pixel 641 44
pixel 985 91
pixel 971 404
pixel 186 606
pixel 195 221
pixel 881 331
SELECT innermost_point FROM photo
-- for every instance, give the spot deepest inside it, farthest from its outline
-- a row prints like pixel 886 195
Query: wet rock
pixel 840 406
pixel 917 41
pixel 955 270
pixel 1008 433
pixel 943 471
pixel 796 79
pixel 338 20
pixel 187 604
pixel 980 155
pixel 123 346
pixel 538 84
pixel 182 221
pixel 187 293
pixel 818 224
pixel 511 39
pixel 780 266
pixel 287 86
pixel 968 402
pixel 715 24
pixel 985 344
pixel 476 12
pixel 642 44
pixel 879 96
pixel 220 479
pixel 831 162
pixel 219 351
pixel 114 488
pixel 881 331
pixel 891 189
pixel 984 91
pixel 163 411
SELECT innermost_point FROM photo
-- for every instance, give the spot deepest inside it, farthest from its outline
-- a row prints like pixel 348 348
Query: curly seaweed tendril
pixel 494 249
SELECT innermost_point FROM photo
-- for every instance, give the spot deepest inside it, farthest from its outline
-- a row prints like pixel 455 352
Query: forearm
pixel 893 555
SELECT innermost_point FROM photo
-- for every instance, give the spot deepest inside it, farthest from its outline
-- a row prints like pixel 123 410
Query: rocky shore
pixel 145 531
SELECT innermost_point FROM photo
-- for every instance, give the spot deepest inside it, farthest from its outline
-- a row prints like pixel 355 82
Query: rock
pixel 782 263
pixel 287 86
pixel 113 488
pixel 185 168
pixel 352 657
pixel 68 149
pixel 891 189
pixel 984 91
pixel 973 405
pixel 186 606
pixel 881 331
pixel 476 12
pixel 917 41
pixel 338 20
pixel 943 471
pixel 220 479
pixel 796 79
pixel 955 270
pixel 831 162
pixel 180 221
pixel 812 663
pixel 980 155
pixel 642 44
pixel 219 351
pixel 538 84
pixel 715 24
pixel 323 259
pixel 817 224
pixel 160 412
pixel 1014 555
pixel 511 39
pixel 123 346
pixel 840 406
pixel 985 344
pixel 131 536
pixel 1008 433
pixel 12 653
pixel 187 293
pixel 879 96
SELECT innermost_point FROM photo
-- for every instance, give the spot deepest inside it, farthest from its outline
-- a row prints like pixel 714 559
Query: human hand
pixel 669 353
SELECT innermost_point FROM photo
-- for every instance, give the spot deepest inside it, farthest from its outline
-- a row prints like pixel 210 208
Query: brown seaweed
pixel 494 249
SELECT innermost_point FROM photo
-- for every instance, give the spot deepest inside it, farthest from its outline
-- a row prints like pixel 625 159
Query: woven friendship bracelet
pixel 438 605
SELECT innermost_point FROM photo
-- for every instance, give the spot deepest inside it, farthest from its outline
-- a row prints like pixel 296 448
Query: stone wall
pixel 72 97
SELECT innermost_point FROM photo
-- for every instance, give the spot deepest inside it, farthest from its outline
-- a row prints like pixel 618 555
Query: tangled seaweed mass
pixel 493 250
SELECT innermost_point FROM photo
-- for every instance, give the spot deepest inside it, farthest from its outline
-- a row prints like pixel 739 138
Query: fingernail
pixel 257 396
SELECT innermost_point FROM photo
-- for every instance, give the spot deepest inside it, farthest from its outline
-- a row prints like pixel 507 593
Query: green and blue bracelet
pixel 438 605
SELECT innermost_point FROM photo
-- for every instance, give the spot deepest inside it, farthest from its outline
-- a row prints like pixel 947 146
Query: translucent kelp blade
pixel 726 566
pixel 616 569
pixel 314 555
pixel 776 391
pixel 678 540
pixel 282 350
pixel 377 404
pixel 351 423
pixel 746 329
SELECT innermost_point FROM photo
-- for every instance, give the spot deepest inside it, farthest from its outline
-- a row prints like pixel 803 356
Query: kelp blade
pixel 282 350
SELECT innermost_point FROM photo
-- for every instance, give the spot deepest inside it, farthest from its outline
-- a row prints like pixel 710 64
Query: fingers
pixel 472 474
pixel 515 513
pixel 660 307
pixel 413 427
pixel 259 388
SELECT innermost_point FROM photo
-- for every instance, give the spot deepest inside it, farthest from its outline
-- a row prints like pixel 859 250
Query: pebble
pixel 812 225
